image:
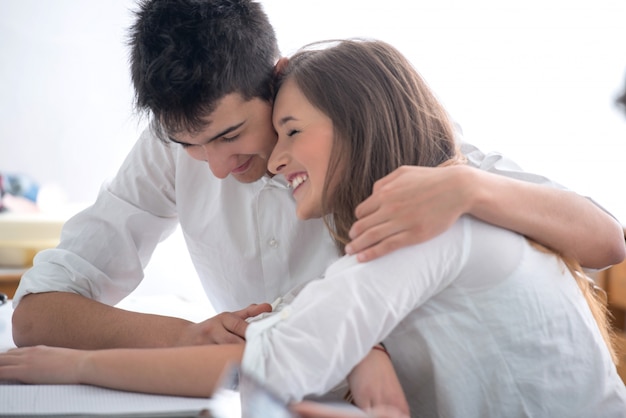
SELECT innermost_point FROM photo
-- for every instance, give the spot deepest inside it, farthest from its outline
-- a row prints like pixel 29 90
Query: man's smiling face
pixel 238 138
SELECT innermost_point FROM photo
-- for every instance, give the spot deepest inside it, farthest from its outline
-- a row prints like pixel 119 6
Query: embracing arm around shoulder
pixel 562 220
pixel 414 204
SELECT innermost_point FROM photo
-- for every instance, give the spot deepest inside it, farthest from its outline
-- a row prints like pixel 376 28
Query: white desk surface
pixel 84 400
pixel 224 405
pixel 6 340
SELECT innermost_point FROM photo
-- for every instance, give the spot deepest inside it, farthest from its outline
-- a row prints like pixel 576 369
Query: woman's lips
pixel 296 180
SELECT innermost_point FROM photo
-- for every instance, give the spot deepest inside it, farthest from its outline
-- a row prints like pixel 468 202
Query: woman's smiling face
pixel 303 150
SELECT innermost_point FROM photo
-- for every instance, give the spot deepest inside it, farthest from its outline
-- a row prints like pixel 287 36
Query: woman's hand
pixel 42 365
pixel 374 383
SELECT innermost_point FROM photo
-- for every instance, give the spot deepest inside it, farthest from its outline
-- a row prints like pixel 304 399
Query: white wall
pixel 65 93
pixel 533 79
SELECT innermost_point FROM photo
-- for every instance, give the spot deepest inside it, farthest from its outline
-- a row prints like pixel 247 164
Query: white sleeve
pixel 104 248
pixel 497 163
pixel 312 344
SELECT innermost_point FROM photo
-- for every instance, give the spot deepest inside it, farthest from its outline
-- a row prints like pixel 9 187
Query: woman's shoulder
pixel 448 248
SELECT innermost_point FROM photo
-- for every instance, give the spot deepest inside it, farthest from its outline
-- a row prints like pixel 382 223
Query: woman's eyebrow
pixel 285 119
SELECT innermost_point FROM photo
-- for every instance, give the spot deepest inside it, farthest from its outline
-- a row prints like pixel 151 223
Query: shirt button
pixel 273 243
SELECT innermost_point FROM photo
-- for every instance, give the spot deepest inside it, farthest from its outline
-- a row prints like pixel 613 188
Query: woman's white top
pixel 244 240
pixel 477 322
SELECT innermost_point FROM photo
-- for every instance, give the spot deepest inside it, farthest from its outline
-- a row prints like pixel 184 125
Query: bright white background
pixel 534 79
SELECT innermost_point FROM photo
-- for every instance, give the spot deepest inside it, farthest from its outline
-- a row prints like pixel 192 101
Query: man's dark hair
pixel 188 54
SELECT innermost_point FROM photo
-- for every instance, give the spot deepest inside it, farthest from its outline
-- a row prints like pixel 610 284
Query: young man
pixel 202 70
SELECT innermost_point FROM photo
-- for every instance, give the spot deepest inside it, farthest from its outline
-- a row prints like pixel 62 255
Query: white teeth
pixel 298 180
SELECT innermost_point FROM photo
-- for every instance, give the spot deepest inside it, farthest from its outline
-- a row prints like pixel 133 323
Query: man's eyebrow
pixel 214 137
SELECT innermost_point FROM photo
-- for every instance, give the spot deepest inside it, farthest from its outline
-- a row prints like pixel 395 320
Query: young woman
pixel 478 322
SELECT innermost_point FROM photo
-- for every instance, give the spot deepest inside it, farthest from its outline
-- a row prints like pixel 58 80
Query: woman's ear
pixel 281 65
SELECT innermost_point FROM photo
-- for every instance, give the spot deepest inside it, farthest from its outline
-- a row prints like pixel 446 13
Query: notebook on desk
pixel 18 400
pixel 22 400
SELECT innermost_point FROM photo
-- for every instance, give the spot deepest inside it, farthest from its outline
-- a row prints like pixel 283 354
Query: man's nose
pixel 220 165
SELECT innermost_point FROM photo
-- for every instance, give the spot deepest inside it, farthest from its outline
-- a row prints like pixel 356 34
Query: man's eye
pixel 230 138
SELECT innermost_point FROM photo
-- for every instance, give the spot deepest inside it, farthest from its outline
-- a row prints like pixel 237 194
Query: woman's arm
pixel 183 371
pixel 414 204
pixel 333 323
pixel 311 409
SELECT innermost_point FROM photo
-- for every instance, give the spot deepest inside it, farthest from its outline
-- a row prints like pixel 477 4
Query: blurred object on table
pixel 18 193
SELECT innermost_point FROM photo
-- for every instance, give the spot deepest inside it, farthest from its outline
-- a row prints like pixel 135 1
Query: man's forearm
pixel 70 320
pixel 562 220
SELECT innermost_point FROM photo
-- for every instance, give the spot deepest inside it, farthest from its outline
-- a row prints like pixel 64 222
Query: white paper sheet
pixel 83 400
pixel 6 339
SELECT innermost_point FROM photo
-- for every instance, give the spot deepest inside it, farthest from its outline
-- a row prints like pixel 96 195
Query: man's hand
pixel 409 206
pixel 224 328
pixel 374 383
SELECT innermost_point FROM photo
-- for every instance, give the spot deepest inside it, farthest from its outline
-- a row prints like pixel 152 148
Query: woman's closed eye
pixel 292 132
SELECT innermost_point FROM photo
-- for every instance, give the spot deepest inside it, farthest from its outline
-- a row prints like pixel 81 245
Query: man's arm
pixel 414 204
pixel 79 322
pixel 101 256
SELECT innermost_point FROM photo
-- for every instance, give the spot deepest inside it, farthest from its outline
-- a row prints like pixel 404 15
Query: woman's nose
pixel 278 159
